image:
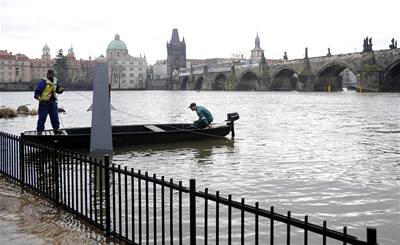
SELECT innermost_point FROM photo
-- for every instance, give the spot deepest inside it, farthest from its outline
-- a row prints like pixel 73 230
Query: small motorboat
pixel 127 135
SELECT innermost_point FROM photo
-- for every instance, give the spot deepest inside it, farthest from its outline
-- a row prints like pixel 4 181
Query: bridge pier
pixel 370 79
pixel 306 81
pixel 369 74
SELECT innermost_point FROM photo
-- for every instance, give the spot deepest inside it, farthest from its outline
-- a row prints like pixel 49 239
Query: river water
pixel 335 157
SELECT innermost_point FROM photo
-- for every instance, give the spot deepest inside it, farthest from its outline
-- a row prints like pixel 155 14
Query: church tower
pixel 46 52
pixel 71 51
pixel 176 53
pixel 257 53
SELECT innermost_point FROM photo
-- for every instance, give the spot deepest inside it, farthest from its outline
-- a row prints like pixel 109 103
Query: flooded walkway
pixel 28 219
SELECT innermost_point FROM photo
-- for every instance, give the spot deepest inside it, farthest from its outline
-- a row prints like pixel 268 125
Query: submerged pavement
pixel 29 219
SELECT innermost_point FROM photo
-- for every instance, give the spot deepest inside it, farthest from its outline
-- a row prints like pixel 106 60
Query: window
pixel 140 68
pixel 123 81
pixel 131 81
pixel 131 69
pixel 131 74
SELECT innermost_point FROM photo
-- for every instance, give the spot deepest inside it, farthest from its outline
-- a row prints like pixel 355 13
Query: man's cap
pixel 191 105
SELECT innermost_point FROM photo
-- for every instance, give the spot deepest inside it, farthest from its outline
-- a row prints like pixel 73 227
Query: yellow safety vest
pixel 49 90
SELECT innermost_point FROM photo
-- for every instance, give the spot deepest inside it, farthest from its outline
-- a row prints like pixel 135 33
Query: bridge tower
pixel 176 53
pixel 257 53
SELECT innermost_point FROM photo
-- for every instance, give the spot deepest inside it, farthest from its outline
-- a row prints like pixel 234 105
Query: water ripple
pixel 331 156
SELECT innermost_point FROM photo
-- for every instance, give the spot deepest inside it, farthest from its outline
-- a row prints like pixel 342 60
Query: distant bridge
pixel 376 71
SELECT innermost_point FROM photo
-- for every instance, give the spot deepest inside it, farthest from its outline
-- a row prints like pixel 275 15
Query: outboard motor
pixel 231 118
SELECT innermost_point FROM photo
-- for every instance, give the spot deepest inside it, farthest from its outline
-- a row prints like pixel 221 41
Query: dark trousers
pixel 199 124
pixel 50 108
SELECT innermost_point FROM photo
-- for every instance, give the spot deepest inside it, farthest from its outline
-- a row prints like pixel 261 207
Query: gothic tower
pixel 257 53
pixel 176 53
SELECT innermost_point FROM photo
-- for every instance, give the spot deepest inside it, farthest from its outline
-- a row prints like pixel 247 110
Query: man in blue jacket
pixel 205 117
pixel 46 93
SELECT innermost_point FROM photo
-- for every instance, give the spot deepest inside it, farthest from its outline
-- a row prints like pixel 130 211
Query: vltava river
pixel 335 157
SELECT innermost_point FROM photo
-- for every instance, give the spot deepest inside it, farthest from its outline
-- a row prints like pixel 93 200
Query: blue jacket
pixel 204 114
pixel 41 85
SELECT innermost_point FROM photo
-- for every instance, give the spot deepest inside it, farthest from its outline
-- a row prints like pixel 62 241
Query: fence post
pixel 371 236
pixel 55 173
pixel 107 193
pixel 192 189
pixel 21 160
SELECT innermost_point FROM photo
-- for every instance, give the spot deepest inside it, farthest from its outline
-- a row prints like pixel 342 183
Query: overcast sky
pixel 212 28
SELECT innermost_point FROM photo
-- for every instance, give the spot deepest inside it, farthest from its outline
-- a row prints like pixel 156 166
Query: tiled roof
pixel 22 57
pixel 4 55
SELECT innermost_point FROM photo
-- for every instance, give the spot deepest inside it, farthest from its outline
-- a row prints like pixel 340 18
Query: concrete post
pixel 101 135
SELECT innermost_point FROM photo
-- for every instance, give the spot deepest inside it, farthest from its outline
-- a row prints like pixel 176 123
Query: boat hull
pixel 79 138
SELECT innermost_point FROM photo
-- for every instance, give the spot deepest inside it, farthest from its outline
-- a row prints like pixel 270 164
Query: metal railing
pixel 142 209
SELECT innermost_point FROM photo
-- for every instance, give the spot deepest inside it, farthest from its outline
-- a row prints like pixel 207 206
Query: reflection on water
pixel 200 151
pixel 333 156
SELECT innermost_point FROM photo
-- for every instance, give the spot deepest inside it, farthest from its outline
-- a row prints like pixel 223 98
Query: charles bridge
pixel 376 71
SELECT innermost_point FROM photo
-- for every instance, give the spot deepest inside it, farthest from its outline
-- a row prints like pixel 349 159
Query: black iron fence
pixel 142 209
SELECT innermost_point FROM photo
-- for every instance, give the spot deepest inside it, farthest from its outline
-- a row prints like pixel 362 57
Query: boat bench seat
pixel 46 132
pixel 154 128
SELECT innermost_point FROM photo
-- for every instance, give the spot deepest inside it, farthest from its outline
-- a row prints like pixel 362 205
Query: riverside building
pixel 125 71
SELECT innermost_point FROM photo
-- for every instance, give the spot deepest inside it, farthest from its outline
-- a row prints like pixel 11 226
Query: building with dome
pixel 73 66
pixel 39 67
pixel 125 71
pixel 46 52
pixel 19 72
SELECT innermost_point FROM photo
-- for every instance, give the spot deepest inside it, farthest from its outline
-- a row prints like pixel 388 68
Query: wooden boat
pixel 127 135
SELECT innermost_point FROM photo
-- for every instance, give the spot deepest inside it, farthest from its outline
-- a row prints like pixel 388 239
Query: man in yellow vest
pixel 46 93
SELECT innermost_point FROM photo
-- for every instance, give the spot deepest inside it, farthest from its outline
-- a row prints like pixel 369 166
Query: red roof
pixel 4 55
pixel 22 57
pixel 70 56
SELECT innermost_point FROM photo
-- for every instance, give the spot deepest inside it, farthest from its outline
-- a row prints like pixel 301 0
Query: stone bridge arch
pixel 285 78
pixel 248 81
pixel 219 82
pixel 199 83
pixel 391 78
pixel 329 75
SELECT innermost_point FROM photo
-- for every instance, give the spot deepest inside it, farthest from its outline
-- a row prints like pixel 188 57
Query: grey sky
pixel 212 28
